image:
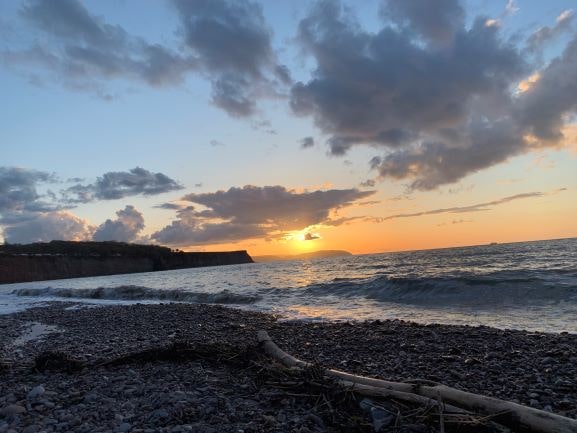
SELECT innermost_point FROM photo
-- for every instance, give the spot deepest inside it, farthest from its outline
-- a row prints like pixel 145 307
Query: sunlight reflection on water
pixel 525 286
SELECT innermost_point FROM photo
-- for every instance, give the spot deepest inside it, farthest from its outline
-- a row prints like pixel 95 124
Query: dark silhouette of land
pixel 67 259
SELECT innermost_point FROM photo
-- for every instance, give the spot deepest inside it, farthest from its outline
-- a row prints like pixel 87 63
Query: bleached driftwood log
pixel 527 418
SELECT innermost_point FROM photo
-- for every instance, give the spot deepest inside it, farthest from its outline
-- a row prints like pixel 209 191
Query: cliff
pixel 20 265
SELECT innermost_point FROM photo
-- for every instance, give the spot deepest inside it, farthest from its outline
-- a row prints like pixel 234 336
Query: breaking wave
pixel 477 290
pixel 139 293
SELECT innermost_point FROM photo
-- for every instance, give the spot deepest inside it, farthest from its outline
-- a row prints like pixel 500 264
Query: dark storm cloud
pixel 439 104
pixel 546 33
pixel 467 209
pixel 125 228
pixel 232 43
pixel 251 211
pixel 119 184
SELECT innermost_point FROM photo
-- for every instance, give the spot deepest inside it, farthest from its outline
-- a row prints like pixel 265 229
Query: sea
pixel 529 285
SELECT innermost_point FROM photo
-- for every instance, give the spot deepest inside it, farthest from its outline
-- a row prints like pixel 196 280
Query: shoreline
pixel 532 368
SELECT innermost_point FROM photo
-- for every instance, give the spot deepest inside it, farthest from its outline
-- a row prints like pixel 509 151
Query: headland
pixel 66 259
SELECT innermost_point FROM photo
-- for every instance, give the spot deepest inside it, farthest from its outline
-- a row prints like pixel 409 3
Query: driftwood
pixel 523 417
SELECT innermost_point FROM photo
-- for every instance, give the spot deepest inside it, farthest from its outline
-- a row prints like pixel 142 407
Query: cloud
pixel 388 90
pixel 543 109
pixel 276 205
pixel 227 42
pixel 26 215
pixel 368 183
pixel 170 206
pixel 190 228
pixel 569 140
pixel 43 227
pixel 83 50
pixel 232 43
pixel 511 7
pixel 311 236
pixel 125 228
pixel 545 34
pixel 435 95
pixel 335 222
pixel 433 163
pixel 18 190
pixel 436 22
pixel 461 221
pixel 251 212
pixel 118 184
pixel 528 83
pixel 480 207
pixel 307 142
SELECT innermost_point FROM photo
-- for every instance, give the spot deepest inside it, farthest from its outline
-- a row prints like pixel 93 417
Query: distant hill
pixel 305 256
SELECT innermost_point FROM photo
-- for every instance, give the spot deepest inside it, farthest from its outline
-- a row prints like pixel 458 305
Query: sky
pixel 287 127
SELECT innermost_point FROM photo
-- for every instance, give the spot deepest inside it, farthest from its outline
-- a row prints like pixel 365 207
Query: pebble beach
pixel 221 389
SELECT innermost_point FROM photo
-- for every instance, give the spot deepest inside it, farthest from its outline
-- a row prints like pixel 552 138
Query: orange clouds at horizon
pixel 549 216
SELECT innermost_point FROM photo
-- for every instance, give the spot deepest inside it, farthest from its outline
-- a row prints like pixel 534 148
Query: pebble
pixel 36 392
pixel 12 409
pixel 122 428
pixel 158 396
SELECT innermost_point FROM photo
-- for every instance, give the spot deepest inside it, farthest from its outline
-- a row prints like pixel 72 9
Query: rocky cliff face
pixel 21 268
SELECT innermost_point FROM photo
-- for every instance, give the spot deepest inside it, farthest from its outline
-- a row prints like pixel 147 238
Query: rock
pixel 47 403
pixel 564 404
pixel 11 410
pixel 122 428
pixel 36 392
pixel 159 414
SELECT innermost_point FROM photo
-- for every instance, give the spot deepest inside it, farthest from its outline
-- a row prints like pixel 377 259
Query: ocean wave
pixel 486 290
pixel 139 293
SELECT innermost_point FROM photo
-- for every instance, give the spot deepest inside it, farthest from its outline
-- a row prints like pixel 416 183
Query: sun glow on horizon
pixel 303 240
